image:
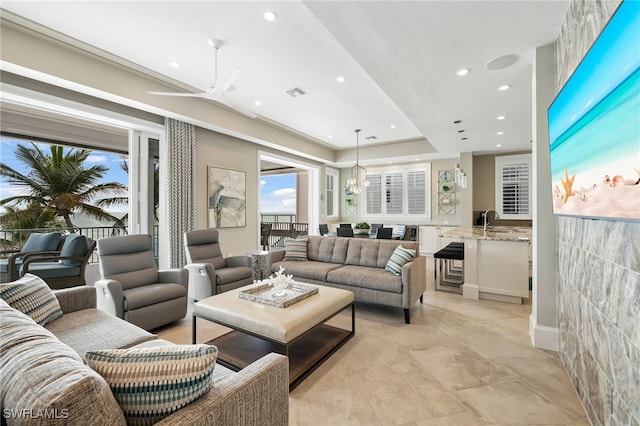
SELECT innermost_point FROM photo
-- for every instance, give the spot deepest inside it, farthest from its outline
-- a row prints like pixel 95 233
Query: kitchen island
pixel 496 262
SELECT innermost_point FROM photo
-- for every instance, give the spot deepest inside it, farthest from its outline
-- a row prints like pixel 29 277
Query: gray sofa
pixel 358 264
pixel 43 371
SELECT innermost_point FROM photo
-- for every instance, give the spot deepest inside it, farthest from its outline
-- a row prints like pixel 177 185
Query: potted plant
pixel 362 228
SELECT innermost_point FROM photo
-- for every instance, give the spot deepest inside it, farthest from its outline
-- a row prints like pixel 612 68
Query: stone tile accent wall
pixel 598 273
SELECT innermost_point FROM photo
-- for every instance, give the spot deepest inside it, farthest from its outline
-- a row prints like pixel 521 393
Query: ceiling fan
pixel 220 86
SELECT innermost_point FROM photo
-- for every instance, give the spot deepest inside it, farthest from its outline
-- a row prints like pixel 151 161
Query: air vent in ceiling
pixel 295 92
pixel 370 138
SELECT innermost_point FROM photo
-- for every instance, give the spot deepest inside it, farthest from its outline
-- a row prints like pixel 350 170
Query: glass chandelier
pixel 353 182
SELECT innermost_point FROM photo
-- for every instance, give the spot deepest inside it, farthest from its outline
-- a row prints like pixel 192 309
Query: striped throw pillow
pixel 33 297
pixel 295 249
pixel 399 257
pixel 151 383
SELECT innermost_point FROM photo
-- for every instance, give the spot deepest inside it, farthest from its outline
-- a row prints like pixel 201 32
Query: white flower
pixel 280 280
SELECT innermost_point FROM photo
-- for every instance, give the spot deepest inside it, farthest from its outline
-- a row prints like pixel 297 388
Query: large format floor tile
pixel 460 362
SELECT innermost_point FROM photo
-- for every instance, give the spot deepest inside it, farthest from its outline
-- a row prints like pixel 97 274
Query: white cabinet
pixel 431 239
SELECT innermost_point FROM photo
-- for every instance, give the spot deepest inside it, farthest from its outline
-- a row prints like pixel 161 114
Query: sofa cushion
pixel 366 277
pixel 333 250
pixel 151 383
pixel 295 249
pixel 363 252
pixel 93 329
pixel 232 274
pixel 43 375
pixel 74 245
pixel 139 297
pixel 308 270
pixel 398 259
pixel 33 297
pixel 42 242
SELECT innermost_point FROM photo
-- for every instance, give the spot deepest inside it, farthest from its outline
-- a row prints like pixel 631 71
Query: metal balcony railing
pixel 281 230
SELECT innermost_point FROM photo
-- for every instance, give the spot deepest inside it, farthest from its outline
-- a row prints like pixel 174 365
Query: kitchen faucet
pixel 486 220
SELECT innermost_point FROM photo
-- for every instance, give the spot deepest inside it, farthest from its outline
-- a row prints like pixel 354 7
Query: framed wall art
pixel 227 197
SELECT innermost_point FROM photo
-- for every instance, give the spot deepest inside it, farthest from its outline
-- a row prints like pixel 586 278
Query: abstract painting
pixel 226 193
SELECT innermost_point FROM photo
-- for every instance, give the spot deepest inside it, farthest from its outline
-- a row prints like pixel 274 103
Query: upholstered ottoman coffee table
pixel 298 331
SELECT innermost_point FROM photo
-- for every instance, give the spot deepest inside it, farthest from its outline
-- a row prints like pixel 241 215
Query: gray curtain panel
pixel 177 159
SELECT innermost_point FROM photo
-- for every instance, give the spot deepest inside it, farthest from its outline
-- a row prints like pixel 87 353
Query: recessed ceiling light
pixel 330 137
pixel 174 64
pixel 270 16
pixel 257 103
pixel 501 117
pixel 393 126
pixel 463 71
pixel 500 133
pixel 504 87
pixel 498 145
pixel 341 79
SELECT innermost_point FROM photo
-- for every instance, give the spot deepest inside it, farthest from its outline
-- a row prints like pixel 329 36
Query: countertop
pixel 504 233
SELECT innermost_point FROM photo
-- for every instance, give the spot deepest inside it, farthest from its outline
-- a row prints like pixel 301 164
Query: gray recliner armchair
pixel 131 286
pixel 209 271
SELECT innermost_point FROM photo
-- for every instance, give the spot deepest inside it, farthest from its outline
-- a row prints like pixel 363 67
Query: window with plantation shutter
pixel 416 192
pixel 399 192
pixel 513 186
pixel 331 193
pixel 393 193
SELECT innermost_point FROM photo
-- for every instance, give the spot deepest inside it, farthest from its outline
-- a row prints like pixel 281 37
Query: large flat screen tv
pixel 594 126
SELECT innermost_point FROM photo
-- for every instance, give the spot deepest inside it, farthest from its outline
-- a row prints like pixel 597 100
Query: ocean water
pixel 607 134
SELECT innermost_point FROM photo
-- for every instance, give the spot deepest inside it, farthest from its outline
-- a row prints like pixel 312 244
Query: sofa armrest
pixel 277 255
pixel 233 261
pixel 76 298
pixel 256 395
pixel 414 280
pixel 110 297
pixel 176 275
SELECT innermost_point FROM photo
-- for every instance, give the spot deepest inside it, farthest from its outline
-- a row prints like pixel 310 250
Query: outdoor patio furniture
pixel 37 243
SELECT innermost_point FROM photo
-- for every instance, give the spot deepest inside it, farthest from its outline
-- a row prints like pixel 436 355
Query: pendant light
pixel 460 177
pixel 353 182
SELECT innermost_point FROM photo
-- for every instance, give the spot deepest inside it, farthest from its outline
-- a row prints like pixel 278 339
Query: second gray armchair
pixel 131 286
pixel 209 271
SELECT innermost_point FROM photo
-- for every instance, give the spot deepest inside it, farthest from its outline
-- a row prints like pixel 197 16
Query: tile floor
pixel 460 362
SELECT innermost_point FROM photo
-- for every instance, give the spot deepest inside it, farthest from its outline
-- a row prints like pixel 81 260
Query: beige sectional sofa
pixel 45 381
pixel 358 264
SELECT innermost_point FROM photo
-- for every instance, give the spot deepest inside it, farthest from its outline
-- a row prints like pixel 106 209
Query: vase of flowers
pixel 280 282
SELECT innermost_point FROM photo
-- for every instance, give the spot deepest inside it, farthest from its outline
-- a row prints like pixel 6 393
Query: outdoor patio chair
pixel 209 271
pixel 131 286
pixel 64 268
pixel 37 243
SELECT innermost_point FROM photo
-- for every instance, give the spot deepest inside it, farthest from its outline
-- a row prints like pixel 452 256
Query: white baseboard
pixel 542 336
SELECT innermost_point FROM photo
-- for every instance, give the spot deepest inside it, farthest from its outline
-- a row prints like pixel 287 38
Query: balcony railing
pixel 281 230
pixel 12 240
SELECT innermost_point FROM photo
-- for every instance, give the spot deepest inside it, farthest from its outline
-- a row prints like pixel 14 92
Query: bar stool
pixel 450 275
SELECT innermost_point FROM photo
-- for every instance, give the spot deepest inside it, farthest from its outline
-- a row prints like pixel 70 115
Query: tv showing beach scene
pixel 594 126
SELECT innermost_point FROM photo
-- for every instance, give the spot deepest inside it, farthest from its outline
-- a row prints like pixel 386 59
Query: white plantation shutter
pixel 416 192
pixel 398 192
pixel 331 193
pixel 393 193
pixel 374 194
pixel 513 186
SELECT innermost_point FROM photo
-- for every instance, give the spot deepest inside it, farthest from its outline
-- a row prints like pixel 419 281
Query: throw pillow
pixel 400 257
pixel 74 245
pixel 33 297
pixel 151 383
pixel 295 249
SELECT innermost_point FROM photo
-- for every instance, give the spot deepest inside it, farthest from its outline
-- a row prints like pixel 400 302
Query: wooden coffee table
pixel 299 331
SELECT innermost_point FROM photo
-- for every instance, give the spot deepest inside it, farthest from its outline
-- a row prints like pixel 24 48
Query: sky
pixel 277 192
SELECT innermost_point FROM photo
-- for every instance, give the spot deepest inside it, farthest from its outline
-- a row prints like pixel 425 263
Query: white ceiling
pixel 399 59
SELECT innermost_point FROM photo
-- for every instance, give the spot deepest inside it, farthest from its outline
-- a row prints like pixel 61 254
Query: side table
pixel 260 262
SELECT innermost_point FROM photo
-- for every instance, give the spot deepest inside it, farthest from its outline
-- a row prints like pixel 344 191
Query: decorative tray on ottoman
pixel 265 294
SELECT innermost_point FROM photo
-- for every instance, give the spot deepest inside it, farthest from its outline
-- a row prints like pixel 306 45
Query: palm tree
pixel 33 217
pixel 60 182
